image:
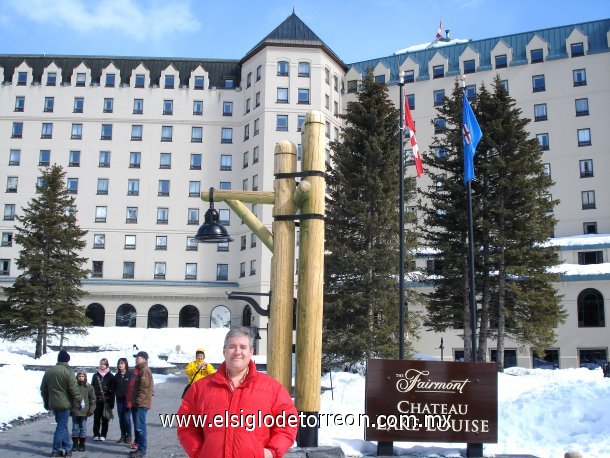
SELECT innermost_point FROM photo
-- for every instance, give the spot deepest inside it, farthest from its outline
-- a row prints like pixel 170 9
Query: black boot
pixel 81 444
pixel 75 442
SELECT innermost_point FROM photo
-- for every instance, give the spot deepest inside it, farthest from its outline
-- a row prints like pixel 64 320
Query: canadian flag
pixel 440 29
pixel 411 126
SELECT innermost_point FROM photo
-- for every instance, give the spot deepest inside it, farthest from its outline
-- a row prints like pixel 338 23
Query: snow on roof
pixel 438 44
pixel 580 240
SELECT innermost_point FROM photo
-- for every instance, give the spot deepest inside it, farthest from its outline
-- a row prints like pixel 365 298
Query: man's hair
pixel 239 332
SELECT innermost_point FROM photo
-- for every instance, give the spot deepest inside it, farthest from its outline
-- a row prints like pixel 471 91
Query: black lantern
pixel 211 231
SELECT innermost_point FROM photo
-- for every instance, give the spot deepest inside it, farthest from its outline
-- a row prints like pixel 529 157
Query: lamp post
pixel 401 222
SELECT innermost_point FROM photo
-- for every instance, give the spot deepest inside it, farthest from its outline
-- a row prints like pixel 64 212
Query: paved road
pixel 35 439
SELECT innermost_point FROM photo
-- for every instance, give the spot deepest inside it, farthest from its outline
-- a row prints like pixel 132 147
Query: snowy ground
pixel 541 412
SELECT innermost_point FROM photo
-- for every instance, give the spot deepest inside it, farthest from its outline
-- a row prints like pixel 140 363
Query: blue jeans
pixel 79 427
pixel 124 415
pixel 140 427
pixel 61 438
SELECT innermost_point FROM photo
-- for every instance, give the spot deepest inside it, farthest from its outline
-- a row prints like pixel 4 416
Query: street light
pixel 211 231
pixel 401 223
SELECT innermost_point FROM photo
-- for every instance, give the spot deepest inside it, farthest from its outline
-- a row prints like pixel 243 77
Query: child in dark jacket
pixel 79 415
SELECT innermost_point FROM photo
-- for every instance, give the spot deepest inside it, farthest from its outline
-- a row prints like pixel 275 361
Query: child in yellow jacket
pixel 198 369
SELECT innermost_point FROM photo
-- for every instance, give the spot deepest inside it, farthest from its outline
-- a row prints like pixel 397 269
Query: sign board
pixel 431 401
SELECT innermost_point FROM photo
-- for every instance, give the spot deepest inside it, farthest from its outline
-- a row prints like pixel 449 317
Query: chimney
pixel 447 35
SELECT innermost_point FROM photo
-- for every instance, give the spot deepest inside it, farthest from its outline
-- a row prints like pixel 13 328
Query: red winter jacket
pixel 211 396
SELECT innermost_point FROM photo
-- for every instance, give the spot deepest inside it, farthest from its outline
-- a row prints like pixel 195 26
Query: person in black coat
pixel 122 378
pixel 103 384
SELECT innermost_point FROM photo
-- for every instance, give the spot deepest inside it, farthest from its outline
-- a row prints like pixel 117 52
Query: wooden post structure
pixel 310 194
pixel 279 354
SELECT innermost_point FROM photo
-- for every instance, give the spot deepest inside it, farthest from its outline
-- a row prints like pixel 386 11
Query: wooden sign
pixel 431 401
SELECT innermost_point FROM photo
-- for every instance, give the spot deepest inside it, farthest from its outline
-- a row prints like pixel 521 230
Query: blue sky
pixel 356 29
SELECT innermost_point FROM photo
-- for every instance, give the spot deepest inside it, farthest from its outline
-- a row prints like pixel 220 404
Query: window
pixel 380 78
pixel 81 79
pixel 136 132
pixel 259 72
pixel 411 101
pixel 227 108
pixel 584 137
pixel 110 80
pixel 242 269
pixel 244 184
pixel 577 49
pixel 255 183
pixel 282 95
pixel 409 76
pixel 438 71
pixel 226 162
pixel 327 75
pixel 140 81
pixel 9 212
pixel 166 133
pixel 198 107
pixel 540 112
pixel 100 214
pixel 104 159
pixel 593 358
pixel 248 108
pixel 255 155
pixel 44 157
pixel 19 103
pixel 102 186
pixel 199 83
pixel 336 108
pixel 194 188
pixel 281 122
pixel 589 228
pixel 469 66
pixel 47 130
pixel 590 309
pixel 169 81
pixel 195 163
pixel 590 257
pixel 249 80
pixel 582 107
pixel 76 132
pixel 438 97
pixel 335 83
pixel 242 243
pixel 14 157
pixel 300 122
pixel 17 131
pixel 246 132
pixel 222 271
pixel 536 55
pixel 106 131
pixel 439 125
pixel 134 159
pixel 547 169
pixel 256 126
pixel 586 168
pixel 5 266
pixel 133 187
pixel 168 107
pixel 579 77
pixel 257 99
pixel 252 240
pixel 191 244
pixel 253 267
pixel 165 160
pixel 304 69
pixel 79 104
pixel 22 78
pixel 161 242
pixel 138 106
pixel 282 68
pixel 131 215
pixel 588 200
pixel 225 217
pixel 504 85
pixel 11 184
pixel 162 215
pixel 228 82
pixel 163 188
pixel 543 139
pixel 51 79
pixel 538 83
pixel 303 96
pixel 352 86
pixel 327 129
pixel 7 239
pixel 226 185
pixel 191 271
pixel 159 270
pixel 245 160
pixel 72 185
pixel 226 135
pixel 193 216
pixel 471 91
pixel 501 61
pixel 196 134
pixel 128 269
pixel 108 105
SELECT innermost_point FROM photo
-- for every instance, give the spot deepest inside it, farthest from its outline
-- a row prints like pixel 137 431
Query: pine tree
pixel 44 299
pixel 512 221
pixel 361 291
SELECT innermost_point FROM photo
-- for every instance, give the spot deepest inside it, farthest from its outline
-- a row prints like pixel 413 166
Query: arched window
pixel 96 313
pixel 220 317
pixel 591 309
pixel 126 316
pixel 246 317
pixel 157 316
pixel 189 317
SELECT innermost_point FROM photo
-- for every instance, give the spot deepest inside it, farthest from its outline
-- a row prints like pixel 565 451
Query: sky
pixel 541 412
pixel 355 30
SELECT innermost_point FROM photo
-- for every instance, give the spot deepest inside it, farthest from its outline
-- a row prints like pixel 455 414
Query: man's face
pixel 238 353
pixel 200 356
pixel 80 377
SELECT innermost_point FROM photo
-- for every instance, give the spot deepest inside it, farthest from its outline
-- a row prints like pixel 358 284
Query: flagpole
pixel 401 224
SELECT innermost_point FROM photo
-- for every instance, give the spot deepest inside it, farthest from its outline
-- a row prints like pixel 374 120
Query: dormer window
pixel 199 83
pixel 110 80
pixel 22 78
pixel 536 55
pixel 438 71
pixel 577 49
pixel 469 66
pixel 81 79
pixel 228 83
pixel 169 81
pixel 139 81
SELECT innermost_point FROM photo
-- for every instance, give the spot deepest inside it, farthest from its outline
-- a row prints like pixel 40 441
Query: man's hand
pixel 268 453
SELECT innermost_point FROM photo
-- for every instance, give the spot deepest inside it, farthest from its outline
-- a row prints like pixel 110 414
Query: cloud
pixel 136 19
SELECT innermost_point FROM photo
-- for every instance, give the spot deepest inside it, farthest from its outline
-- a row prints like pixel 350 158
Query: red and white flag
pixel 409 124
pixel 440 30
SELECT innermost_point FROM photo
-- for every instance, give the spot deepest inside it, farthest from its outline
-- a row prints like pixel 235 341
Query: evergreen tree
pixel 361 295
pixel 512 221
pixel 44 299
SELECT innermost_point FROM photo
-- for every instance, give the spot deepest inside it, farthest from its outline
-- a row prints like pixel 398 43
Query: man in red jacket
pixel 237 412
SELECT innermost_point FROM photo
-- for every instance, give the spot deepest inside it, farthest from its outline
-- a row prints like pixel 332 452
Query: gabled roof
pixel 293 32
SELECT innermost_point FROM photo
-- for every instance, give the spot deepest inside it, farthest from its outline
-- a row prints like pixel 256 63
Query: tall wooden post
pixel 311 279
pixel 279 354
